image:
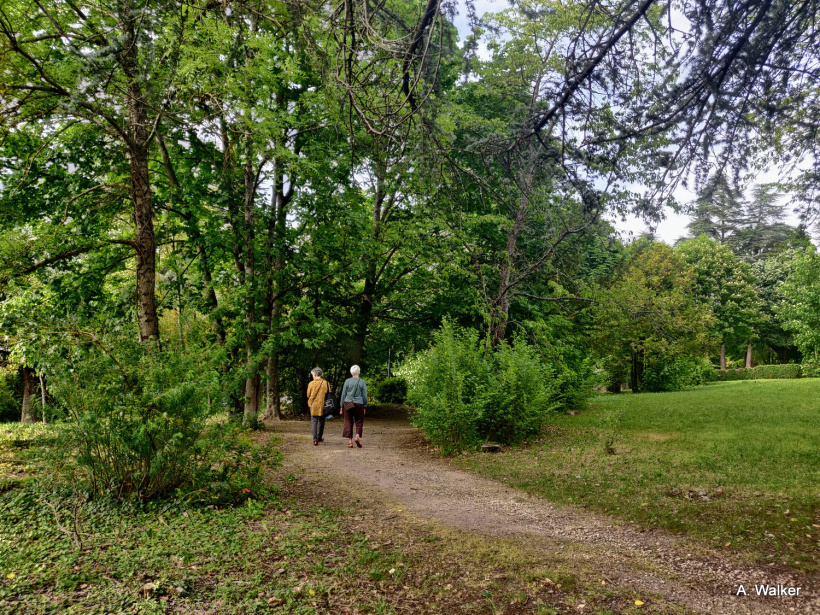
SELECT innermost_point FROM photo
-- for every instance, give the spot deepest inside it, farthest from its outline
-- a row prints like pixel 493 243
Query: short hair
pixel 355 371
pixel 316 371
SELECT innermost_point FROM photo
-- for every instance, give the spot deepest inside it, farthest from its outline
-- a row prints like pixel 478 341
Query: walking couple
pixel 352 401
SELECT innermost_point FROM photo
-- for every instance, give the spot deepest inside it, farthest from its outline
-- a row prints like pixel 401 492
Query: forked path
pixel 395 469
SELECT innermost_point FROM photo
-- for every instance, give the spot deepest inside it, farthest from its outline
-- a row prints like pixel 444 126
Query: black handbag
pixel 331 403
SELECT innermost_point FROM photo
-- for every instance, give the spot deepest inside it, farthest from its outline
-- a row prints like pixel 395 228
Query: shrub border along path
pixel 395 477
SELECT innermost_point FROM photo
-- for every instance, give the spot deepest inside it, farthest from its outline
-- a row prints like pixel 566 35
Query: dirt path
pixel 395 471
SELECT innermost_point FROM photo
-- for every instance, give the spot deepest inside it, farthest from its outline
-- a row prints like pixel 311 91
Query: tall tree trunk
pixel 301 399
pixel 29 414
pixel 139 135
pixel 252 381
pixel 43 397
pixel 723 355
pixel 364 316
pixel 501 304
pixel 273 395
pixel 749 355
pixel 276 240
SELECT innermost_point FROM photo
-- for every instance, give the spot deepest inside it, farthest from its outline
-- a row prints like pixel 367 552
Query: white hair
pixel 355 371
pixel 316 371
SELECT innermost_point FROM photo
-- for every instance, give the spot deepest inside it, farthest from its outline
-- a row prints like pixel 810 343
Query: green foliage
pixel 464 395
pixel 647 319
pixel 140 422
pixel 777 372
pixel 800 306
pixel 677 373
pixel 392 391
pixel 810 370
pixel 741 373
pixel 445 388
pixel 726 286
pixel 518 395
pixel 762 372
pixel 11 393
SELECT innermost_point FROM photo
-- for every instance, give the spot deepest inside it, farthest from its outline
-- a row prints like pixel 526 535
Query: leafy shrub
pixel 392 391
pixel 769 372
pixel 810 370
pixel 139 422
pixel 518 394
pixel 576 383
pixel 463 396
pixel 675 374
pixel 444 386
pixel 11 393
pixel 761 372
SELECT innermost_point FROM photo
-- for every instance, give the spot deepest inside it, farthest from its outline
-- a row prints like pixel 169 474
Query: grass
pixel 62 552
pixel 736 464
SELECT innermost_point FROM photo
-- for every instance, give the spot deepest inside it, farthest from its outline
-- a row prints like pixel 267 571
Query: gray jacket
pixel 355 390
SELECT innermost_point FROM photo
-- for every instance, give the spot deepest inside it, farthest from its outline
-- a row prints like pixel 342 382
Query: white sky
pixel 674 224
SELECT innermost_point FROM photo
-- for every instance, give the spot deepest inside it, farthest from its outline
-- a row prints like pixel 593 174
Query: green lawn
pixel 734 462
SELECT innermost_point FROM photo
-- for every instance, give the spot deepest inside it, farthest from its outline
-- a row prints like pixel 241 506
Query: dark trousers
pixel 317 424
pixel 357 415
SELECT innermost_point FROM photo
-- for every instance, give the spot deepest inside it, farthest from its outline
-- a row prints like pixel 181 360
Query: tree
pixel 718 210
pixel 648 314
pixel 763 231
pixel 725 285
pixel 111 66
pixel 800 308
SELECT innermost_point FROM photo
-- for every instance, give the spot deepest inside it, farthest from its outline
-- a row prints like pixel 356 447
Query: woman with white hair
pixel 354 400
pixel 316 392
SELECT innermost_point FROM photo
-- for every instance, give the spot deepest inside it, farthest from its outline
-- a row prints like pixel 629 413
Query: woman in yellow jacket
pixel 316 392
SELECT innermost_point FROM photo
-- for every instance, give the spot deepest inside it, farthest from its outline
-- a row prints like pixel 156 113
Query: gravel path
pixel 395 469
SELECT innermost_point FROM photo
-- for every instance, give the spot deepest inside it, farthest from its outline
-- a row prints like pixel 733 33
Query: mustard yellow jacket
pixel 316 396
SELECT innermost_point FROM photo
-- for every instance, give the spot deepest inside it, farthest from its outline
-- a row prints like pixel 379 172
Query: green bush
pixel 762 372
pixel 11 393
pixel 392 391
pixel 140 422
pixel 519 393
pixel 444 387
pixel 576 383
pixel 810 370
pixel 776 372
pixel 675 374
pixel 463 396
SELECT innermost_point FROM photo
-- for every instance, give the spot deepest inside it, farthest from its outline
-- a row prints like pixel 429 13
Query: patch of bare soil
pixel 395 477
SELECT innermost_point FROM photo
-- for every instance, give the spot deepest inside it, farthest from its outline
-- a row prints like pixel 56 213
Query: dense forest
pixel 201 201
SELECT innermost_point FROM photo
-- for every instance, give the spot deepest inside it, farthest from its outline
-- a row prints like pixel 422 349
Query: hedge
pixel 767 372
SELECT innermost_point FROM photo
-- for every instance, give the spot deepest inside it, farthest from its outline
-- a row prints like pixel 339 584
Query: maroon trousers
pixel 357 415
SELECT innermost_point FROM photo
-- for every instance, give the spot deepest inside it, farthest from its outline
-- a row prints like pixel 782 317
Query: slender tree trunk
pixel 633 374
pixel 364 313
pixel 139 137
pixel 723 355
pixel 301 399
pixel 29 414
pixel 43 397
pixel 274 303
pixel 501 307
pixel 252 381
pixel 749 355
pixel 364 316
pixel 274 402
